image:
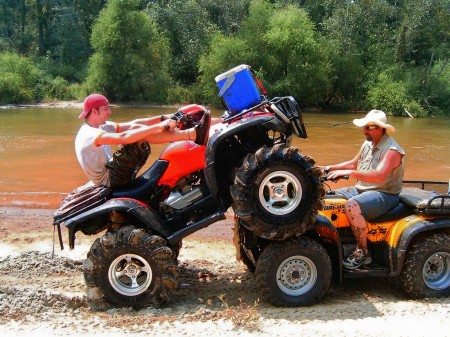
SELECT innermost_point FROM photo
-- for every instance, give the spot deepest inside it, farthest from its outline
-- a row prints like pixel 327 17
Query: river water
pixel 38 166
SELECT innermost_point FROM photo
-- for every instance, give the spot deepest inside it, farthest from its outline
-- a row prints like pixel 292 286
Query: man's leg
pixel 126 162
pixel 358 224
pixel 361 255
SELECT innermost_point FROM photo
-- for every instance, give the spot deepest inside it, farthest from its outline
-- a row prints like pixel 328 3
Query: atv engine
pixel 184 195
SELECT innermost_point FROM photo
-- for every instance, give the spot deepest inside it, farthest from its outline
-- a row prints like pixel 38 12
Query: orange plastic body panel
pixel 389 231
pixel 184 157
pixel 334 210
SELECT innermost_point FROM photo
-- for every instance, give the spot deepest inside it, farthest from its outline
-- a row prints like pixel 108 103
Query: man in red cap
pixel 378 168
pixel 92 143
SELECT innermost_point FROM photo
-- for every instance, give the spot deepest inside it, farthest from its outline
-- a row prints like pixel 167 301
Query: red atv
pixel 246 162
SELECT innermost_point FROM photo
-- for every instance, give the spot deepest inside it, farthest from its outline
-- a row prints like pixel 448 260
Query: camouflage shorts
pixel 126 163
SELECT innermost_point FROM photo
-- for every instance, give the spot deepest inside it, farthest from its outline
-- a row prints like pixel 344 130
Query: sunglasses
pixel 371 127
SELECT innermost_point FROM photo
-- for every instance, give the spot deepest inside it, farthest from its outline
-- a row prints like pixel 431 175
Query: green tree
pixel 424 31
pixel 281 45
pixel 226 53
pixel 185 24
pixel 245 47
pixel 15 34
pixel 298 64
pixel 131 58
pixel 227 15
pixel 18 80
pixel 67 43
pixel 360 41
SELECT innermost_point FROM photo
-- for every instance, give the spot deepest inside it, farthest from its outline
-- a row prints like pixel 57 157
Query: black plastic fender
pixel 143 213
pixel 323 221
pixel 229 130
pixel 397 254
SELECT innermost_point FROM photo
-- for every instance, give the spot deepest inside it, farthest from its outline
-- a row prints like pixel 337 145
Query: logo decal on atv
pixel 332 207
pixel 378 230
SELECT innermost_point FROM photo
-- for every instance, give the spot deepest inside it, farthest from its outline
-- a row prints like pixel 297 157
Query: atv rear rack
pixel 438 205
pixel 426 202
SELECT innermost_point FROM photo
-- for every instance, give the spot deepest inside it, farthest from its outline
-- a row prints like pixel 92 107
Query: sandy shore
pixel 79 105
pixel 41 294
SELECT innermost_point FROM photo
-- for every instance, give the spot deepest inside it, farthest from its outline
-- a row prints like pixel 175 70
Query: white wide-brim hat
pixel 374 117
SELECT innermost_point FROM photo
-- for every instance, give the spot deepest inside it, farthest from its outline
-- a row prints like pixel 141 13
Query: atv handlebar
pixel 187 119
pixel 325 178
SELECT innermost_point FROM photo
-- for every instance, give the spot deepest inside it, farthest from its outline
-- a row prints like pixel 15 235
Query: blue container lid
pixel 230 72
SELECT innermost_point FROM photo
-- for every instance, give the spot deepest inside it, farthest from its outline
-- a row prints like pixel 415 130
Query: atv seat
pixel 143 186
pixel 398 212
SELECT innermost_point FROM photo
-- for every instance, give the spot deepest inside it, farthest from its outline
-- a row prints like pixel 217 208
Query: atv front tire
pixel 426 272
pixel 294 273
pixel 276 192
pixel 131 267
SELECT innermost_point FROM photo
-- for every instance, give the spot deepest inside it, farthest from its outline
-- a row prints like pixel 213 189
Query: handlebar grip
pixel 346 177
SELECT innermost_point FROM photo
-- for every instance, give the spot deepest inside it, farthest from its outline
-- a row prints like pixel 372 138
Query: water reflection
pixel 38 164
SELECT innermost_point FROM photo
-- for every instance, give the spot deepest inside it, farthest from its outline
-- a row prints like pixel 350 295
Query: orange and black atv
pixel 410 243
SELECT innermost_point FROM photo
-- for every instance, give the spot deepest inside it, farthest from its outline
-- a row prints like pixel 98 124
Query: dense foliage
pixel 352 54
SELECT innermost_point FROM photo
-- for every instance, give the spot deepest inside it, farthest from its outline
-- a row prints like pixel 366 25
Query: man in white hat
pixel 378 168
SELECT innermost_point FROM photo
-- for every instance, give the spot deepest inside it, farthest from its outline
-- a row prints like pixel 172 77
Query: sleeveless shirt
pixel 370 158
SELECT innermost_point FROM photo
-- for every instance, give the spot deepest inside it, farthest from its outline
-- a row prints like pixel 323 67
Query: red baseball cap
pixel 93 101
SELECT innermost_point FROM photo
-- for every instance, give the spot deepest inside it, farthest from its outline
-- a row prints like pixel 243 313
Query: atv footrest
pixel 370 270
pixel 177 236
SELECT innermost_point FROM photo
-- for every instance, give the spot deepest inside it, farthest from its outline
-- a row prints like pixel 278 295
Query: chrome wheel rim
pixel 436 271
pixel 130 274
pixel 280 192
pixel 296 276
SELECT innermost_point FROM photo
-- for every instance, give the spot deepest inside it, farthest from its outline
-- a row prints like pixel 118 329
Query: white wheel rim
pixel 280 192
pixel 436 271
pixel 296 275
pixel 130 274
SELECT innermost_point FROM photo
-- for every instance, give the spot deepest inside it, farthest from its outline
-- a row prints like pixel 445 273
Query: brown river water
pixel 38 166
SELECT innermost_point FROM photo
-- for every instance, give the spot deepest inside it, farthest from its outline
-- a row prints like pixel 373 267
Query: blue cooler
pixel 238 89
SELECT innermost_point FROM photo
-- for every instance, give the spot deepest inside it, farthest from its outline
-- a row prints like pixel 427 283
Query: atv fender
pixel 135 209
pixel 330 237
pixel 230 130
pixel 398 250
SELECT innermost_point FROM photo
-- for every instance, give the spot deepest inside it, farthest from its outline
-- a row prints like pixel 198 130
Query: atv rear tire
pixel 131 267
pixel 276 192
pixel 426 272
pixel 294 273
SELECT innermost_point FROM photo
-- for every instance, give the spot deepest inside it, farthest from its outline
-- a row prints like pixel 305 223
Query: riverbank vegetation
pixel 343 54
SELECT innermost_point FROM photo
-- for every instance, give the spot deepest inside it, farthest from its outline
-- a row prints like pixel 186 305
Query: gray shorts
pixel 372 203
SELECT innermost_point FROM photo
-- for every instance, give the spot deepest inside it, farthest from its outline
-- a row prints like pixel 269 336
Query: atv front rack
pixel 285 108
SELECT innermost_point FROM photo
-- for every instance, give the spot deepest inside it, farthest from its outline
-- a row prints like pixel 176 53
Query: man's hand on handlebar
pixel 338 174
pixel 169 124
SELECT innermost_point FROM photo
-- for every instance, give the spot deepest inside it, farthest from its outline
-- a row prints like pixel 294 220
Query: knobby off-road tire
pixel 277 192
pixel 130 267
pixel 426 272
pixel 294 273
